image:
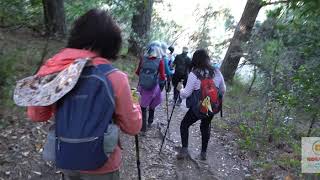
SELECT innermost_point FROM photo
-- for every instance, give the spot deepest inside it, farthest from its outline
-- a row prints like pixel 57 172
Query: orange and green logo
pixel 316 147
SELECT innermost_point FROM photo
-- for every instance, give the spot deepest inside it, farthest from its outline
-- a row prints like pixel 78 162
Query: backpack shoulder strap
pixel 158 61
pixel 144 59
pixel 106 69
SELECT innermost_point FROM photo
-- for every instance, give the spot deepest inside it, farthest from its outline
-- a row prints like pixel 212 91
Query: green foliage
pixel 201 38
pixel 167 31
pixel 285 51
pixel 7 72
pixel 260 133
pixel 14 65
pixel 230 22
pixel 306 7
pixel 75 8
pixel 17 12
pixel 127 66
pixel 305 90
pixel 29 13
pixel 248 140
pixel 289 163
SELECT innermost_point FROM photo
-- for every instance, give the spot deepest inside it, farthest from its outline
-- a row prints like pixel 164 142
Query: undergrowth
pixel 266 130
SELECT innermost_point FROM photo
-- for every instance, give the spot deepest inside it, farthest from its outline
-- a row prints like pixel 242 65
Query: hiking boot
pixel 183 153
pixel 151 117
pixel 203 155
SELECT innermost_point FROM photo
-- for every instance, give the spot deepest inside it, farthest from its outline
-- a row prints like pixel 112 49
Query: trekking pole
pixel 221 113
pixel 167 89
pixel 169 120
pixel 62 176
pixel 138 156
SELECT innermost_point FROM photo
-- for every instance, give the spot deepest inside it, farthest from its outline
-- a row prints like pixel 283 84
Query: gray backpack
pixel 148 77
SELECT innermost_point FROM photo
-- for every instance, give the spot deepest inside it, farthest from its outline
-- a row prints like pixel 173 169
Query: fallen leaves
pixel 21 145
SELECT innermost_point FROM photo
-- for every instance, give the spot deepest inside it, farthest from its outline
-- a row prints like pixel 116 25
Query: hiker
pixel 170 64
pixel 171 57
pixel 168 71
pixel 150 70
pixel 182 67
pixel 94 35
pixel 201 70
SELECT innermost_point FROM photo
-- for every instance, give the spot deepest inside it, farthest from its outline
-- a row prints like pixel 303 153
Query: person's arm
pixel 40 113
pixel 176 60
pixel 190 86
pixel 167 67
pixel 162 71
pixel 127 113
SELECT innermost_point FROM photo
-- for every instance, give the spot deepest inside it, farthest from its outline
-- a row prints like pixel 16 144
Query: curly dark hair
pixel 201 61
pixel 96 31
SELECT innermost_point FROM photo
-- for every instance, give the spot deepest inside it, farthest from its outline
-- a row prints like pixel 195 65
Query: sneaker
pixel 183 153
pixel 203 156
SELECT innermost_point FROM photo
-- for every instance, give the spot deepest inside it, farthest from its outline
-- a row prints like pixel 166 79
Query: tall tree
pixel 141 21
pixel 54 17
pixel 242 35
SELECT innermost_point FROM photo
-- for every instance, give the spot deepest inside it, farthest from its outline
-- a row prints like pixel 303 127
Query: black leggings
pixel 190 119
pixel 175 80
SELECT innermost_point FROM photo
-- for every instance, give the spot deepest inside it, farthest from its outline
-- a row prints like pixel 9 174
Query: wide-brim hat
pixel 47 90
pixel 154 51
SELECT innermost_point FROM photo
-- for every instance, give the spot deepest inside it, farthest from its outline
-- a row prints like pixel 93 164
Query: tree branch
pixel 275 2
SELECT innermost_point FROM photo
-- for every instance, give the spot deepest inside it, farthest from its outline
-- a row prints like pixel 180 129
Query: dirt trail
pixel 21 143
pixel 223 158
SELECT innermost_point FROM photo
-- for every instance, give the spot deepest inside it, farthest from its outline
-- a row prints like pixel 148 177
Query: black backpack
pixel 182 62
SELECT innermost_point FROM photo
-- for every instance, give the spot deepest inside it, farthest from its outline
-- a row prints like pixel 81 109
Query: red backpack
pixel 210 103
pixel 207 101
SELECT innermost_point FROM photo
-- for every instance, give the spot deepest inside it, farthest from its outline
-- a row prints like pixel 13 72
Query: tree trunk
pixel 140 27
pixel 54 17
pixel 240 36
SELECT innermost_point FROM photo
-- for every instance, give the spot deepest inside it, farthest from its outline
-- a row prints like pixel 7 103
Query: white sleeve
pixel 190 86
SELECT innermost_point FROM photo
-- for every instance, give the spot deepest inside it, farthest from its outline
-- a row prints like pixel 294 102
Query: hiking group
pixel 89 101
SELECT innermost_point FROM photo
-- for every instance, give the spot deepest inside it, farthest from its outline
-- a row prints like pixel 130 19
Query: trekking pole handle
pixel 180 85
